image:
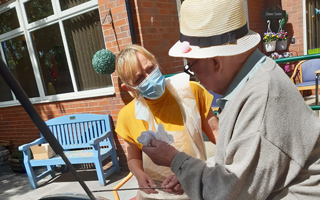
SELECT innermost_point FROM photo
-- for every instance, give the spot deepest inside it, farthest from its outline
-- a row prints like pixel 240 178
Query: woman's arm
pixel 210 126
pixel 134 160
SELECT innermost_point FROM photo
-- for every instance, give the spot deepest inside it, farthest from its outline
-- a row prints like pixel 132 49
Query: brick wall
pixel 295 23
pixel 294 26
pixel 254 10
pixel 159 30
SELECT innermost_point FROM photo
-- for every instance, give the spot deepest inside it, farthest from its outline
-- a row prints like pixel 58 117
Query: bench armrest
pixel 99 139
pixel 27 146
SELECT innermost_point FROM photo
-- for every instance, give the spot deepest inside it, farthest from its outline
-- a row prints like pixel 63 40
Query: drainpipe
pixel 133 37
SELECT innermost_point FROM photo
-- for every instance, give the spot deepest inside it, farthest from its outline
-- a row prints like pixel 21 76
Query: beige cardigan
pixel 268 146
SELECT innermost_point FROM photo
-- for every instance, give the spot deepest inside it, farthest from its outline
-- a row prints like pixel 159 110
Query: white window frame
pixel 25 29
pixel 304 19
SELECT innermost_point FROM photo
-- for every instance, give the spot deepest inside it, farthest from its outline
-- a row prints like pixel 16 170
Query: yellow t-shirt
pixel 165 110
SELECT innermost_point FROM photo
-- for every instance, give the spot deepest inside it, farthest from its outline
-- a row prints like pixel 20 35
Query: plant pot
pixel 270 46
pixel 16 162
pixel 282 45
pixel 16 165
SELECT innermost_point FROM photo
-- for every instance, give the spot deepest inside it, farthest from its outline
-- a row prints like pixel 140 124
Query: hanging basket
pixel 282 45
pixel 270 46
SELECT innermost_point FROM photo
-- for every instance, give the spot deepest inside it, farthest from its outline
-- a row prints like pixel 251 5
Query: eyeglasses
pixel 187 68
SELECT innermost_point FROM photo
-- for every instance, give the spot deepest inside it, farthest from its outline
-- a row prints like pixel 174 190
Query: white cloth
pixel 146 136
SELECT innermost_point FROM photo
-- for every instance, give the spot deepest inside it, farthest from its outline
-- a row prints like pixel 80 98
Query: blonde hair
pixel 127 63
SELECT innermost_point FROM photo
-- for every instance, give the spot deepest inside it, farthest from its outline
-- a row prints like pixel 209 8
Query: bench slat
pixel 76 138
pixel 75 157
pixel 79 133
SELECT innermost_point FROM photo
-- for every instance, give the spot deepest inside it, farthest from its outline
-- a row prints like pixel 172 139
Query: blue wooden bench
pixel 85 138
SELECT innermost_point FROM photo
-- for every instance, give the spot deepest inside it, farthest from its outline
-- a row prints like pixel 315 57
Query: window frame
pixel 26 29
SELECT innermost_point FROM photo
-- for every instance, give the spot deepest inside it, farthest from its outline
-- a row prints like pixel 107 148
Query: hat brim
pixel 243 44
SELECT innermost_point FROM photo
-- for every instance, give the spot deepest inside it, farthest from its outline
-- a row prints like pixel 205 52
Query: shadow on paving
pixel 14 184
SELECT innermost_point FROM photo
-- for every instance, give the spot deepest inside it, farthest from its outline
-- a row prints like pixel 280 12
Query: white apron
pixel 188 140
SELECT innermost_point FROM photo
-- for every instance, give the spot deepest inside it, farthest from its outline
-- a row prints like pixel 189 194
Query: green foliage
pixel 104 62
pixel 17 155
pixel 284 20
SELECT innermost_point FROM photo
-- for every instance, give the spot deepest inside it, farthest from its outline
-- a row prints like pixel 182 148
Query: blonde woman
pixel 181 106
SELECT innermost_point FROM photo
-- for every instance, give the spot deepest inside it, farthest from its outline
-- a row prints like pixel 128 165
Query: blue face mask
pixel 153 86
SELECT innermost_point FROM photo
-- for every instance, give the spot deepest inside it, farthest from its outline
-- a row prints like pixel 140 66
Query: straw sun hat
pixel 210 28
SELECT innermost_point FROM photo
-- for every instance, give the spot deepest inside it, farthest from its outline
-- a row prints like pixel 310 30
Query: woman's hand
pixel 172 185
pixel 145 181
pixel 134 159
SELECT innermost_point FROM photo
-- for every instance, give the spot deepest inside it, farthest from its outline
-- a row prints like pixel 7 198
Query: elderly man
pixel 268 144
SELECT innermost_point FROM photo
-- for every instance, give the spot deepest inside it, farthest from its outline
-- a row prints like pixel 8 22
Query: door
pixel 313 26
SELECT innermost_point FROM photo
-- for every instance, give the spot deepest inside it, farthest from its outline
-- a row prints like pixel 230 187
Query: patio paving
pixel 14 186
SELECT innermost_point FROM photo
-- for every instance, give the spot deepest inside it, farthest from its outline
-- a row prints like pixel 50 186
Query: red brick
pixel 117 9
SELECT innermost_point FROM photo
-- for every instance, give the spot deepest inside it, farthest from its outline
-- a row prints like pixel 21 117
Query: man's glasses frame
pixel 188 68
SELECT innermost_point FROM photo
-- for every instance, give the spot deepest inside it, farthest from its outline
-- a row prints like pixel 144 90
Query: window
pixel 5 92
pixel 18 61
pixel 48 46
pixel 52 60
pixel 9 21
pixel 313 26
pixel 66 4
pixel 38 9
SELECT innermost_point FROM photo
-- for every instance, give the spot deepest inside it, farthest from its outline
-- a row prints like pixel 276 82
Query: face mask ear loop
pixel 134 91
pixel 137 94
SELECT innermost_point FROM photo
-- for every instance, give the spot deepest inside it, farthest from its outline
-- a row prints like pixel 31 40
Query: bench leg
pixel 29 169
pixel 31 176
pixel 50 169
pixel 114 159
pixel 100 172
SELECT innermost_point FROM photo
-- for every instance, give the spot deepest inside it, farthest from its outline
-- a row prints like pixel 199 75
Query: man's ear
pixel 216 61
pixel 123 86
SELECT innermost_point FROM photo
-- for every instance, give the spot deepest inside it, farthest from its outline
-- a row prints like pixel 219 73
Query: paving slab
pixel 14 186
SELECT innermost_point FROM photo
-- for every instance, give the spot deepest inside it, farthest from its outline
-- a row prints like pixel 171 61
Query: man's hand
pixel 172 185
pixel 161 153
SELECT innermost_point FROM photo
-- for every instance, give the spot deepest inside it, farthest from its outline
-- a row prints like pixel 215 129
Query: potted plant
pixel 282 40
pixel 275 55
pixel 16 162
pixel 269 41
pixel 287 67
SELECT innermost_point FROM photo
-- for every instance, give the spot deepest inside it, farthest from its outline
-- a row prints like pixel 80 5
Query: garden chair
pixel 305 74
